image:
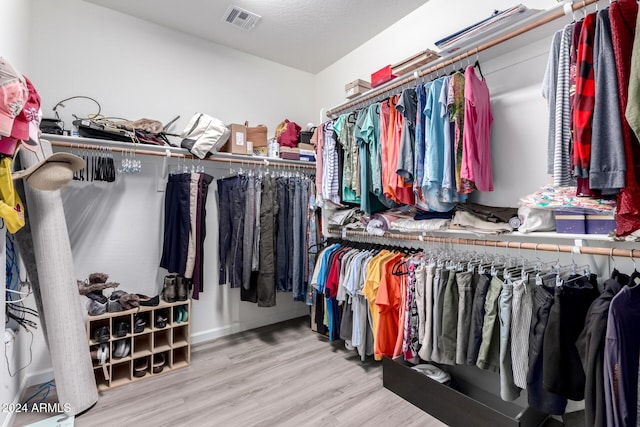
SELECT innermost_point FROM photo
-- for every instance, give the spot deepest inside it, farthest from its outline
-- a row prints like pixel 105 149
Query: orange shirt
pixel 388 300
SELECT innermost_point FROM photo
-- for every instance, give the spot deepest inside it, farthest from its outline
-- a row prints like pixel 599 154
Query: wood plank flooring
pixel 278 375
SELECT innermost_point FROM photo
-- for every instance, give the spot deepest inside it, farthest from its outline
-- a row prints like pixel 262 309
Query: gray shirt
pixel 408 107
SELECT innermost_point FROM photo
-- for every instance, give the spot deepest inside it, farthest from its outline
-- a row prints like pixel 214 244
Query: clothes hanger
pixel 634 278
pixel 477 64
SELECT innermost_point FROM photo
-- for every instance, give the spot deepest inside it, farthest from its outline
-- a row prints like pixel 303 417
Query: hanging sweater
pixel 623 15
pixel 549 84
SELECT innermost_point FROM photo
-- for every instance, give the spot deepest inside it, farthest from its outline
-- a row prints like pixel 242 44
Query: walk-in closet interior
pixel 449 240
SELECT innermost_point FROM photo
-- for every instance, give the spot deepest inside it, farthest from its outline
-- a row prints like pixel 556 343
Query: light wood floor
pixel 279 375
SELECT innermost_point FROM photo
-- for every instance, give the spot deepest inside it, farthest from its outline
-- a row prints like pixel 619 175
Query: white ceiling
pixel 305 34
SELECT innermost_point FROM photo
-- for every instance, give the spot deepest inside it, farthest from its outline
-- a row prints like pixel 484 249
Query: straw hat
pixel 53 173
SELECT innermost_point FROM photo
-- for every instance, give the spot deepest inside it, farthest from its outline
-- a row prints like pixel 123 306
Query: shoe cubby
pixel 152 348
pixel 121 326
pixel 162 318
pixel 162 341
pixel 121 373
pixel 180 336
pixel 181 357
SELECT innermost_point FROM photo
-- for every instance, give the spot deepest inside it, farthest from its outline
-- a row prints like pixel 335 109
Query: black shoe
pixel 122 329
pixel 169 288
pixel 140 367
pixel 101 335
pixel 122 348
pixel 182 286
pixel 149 302
pixel 161 320
pixel 139 324
pixel 158 363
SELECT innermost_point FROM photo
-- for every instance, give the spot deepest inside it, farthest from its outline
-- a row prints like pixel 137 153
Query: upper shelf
pixel 507 38
pixel 169 151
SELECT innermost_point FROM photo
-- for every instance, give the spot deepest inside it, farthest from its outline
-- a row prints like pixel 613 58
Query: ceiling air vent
pixel 241 18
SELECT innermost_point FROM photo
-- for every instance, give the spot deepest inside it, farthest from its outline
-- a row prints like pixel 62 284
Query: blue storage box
pixel 600 224
pixel 571 221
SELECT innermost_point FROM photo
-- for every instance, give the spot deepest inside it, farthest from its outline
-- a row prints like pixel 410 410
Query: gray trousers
pixel 508 390
pixel 465 282
pixel 266 288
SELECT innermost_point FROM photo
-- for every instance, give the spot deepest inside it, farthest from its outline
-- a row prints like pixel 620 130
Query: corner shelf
pixel 173 341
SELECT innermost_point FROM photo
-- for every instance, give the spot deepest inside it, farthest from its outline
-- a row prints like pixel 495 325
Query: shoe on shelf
pixel 148 301
pixel 177 314
pixel 182 286
pixel 185 313
pixel 169 288
pixel 138 324
pixel 140 367
pixel 161 320
pixel 101 334
pixel 159 360
pixel 101 354
pixel 122 348
pixel 122 329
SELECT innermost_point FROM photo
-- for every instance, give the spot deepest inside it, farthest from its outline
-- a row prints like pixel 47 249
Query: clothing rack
pixel 389 88
pixel 549 247
pixel 166 151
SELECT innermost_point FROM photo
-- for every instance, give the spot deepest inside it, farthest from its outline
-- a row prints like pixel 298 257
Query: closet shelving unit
pixel 80 143
pixel 472 403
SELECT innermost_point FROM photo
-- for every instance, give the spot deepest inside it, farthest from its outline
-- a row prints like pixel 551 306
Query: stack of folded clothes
pixel 483 219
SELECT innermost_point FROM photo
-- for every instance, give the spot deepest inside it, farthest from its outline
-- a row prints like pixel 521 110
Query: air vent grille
pixel 241 18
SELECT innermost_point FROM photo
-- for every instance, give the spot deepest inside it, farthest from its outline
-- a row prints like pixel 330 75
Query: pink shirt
pixel 476 152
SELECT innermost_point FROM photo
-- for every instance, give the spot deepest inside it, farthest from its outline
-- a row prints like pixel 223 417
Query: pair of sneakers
pixel 180 313
pixel 122 348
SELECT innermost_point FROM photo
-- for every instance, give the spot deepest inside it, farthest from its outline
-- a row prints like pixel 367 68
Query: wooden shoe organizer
pixel 171 343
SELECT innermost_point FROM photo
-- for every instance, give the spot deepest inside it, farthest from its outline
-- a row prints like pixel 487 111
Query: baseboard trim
pixel 223 331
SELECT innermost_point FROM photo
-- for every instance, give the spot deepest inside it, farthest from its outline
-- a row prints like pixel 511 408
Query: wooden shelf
pixel 173 340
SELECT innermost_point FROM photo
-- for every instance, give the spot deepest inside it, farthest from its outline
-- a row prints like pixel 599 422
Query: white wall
pixel 137 69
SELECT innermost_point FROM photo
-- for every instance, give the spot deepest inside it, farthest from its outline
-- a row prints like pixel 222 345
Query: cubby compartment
pixel 180 357
pixel 180 336
pixel 141 367
pixel 95 327
pixel 160 362
pixel 121 349
pixel 121 373
pixel 141 345
pixel 101 381
pixel 162 318
pixel 121 326
pixel 142 322
pixel 180 314
pixel 161 341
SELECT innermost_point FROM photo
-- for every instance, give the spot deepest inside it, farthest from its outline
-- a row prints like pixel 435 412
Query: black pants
pixel 231 203
pixel 201 233
pixel 177 219
pixel 538 397
pixel 266 286
pixel 563 373
pixel 477 318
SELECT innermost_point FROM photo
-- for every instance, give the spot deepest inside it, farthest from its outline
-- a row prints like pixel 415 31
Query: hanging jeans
pixel 477 318
pixel 175 247
pixel 248 291
pixel 201 233
pixel 232 201
pixel 282 244
pixel 266 288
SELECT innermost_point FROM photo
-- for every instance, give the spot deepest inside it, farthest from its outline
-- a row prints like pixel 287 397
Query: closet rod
pixel 558 13
pixel 112 149
pixel 215 158
pixel 549 247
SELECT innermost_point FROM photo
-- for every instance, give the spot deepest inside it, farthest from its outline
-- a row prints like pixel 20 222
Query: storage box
pixel 305 137
pixel 414 62
pixel 571 222
pixel 237 143
pixel 305 146
pixel 381 76
pixel 307 155
pixel 600 224
pixel 356 87
pixel 289 153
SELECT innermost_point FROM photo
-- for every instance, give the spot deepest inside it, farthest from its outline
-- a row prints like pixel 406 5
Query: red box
pixel 381 76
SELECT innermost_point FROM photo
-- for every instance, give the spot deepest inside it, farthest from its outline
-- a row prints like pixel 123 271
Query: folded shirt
pixel 474 224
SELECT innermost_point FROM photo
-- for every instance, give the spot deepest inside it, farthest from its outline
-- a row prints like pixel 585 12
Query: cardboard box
pixel 303 146
pixel 414 62
pixel 356 87
pixel 237 143
pixel 571 222
pixel 381 76
pixel 600 224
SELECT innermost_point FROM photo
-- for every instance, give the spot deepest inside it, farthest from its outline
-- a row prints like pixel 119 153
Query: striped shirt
pixel 561 158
